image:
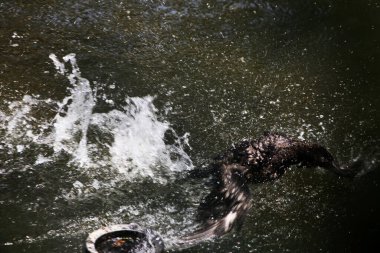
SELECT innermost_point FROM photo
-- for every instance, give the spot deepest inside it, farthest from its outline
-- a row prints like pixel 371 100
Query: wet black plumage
pixel 253 161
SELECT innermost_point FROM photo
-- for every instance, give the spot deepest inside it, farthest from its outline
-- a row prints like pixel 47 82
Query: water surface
pixel 106 104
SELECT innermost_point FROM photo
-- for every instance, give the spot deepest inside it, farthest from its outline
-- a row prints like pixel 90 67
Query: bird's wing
pixel 225 206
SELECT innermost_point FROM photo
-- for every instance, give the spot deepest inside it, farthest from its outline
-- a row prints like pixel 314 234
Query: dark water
pixel 199 76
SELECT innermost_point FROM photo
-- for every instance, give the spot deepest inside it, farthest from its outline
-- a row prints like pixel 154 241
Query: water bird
pixel 253 161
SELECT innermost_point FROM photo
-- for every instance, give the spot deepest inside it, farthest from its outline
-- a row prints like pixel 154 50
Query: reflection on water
pixel 165 85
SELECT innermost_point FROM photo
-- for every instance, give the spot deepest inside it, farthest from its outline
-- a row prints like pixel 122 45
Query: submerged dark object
pixel 124 238
pixel 253 161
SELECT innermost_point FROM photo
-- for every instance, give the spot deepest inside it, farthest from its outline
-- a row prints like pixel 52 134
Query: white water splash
pixel 21 124
pixel 129 141
pixel 78 115
pixel 103 151
pixel 138 149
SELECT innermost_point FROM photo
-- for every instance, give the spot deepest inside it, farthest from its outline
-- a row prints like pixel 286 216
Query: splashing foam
pixel 129 144
pixel 130 141
pixel 138 149
pixel 78 115
pixel 20 126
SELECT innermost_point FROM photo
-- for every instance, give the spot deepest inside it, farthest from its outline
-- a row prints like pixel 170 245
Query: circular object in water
pixel 124 238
